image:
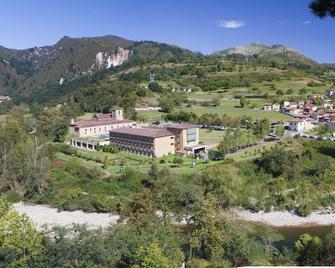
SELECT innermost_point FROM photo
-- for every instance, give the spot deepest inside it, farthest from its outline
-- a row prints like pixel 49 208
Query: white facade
pixel 300 125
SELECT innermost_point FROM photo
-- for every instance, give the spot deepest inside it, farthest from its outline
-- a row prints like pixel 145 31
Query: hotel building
pixel 178 138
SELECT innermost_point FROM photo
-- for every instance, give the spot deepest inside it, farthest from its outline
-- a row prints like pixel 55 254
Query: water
pixel 292 233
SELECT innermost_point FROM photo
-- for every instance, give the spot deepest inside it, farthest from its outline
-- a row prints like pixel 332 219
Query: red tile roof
pixel 96 122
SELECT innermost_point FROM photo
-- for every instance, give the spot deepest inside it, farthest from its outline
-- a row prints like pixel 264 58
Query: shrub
pixel 303 210
pixel 178 161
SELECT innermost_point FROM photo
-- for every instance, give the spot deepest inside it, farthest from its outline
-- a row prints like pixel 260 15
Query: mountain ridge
pixel 24 71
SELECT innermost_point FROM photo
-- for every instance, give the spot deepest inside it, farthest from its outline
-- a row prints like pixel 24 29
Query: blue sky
pixel 199 25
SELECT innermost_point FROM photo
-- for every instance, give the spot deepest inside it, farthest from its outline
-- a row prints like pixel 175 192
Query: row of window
pixel 105 128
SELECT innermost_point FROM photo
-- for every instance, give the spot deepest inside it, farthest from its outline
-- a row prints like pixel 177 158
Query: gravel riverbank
pixel 47 217
pixel 285 218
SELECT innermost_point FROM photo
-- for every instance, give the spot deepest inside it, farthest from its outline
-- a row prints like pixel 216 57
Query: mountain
pixel 258 51
pixel 23 72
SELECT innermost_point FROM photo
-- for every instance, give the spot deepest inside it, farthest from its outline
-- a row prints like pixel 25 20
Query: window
pixel 191 134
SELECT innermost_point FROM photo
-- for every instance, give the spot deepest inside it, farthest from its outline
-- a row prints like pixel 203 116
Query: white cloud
pixel 230 24
pixel 306 22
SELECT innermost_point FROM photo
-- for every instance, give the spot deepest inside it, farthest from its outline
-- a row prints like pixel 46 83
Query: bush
pixel 303 210
pixel 110 149
pixel 178 161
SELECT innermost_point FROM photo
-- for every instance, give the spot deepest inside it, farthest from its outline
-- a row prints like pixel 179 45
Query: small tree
pixel 280 130
pixel 243 102
pixel 105 162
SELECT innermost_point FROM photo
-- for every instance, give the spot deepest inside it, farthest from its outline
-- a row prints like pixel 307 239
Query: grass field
pixel 252 152
pixel 210 136
pixel 237 112
pixel 229 107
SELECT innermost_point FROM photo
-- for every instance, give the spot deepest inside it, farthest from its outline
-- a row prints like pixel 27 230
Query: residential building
pixel 292 111
pixel 275 107
pixel 177 138
pixel 300 124
pixel 272 107
pixel 100 125
pixel 267 107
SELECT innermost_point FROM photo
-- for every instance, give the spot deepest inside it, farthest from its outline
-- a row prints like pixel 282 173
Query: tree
pixel 309 250
pixel 221 182
pixel 279 92
pixel 243 102
pixel 151 257
pixel 20 242
pixel 280 130
pixel 323 8
pixel 166 104
pixel 262 128
pixel 54 124
pixel 205 230
pixel 155 87
pixel 105 162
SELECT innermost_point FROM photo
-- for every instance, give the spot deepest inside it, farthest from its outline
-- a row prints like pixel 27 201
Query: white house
pixel 300 124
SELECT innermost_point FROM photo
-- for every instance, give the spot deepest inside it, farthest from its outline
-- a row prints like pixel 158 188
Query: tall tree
pixel 323 8
pixel 20 243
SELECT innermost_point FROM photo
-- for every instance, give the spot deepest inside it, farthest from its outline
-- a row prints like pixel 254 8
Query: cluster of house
pixel 4 98
pixel 113 129
pixel 307 113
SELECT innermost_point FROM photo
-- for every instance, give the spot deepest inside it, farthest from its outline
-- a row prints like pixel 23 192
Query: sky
pixel 199 25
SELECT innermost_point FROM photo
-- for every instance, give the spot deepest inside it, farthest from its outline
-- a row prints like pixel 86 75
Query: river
pixel 292 233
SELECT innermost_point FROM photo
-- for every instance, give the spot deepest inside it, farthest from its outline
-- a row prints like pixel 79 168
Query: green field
pixel 210 136
pixel 228 107
pixel 239 112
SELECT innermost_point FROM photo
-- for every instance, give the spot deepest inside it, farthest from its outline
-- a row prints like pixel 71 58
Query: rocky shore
pixel 285 218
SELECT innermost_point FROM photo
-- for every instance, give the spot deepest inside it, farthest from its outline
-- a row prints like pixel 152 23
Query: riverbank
pixel 45 217
pixel 285 218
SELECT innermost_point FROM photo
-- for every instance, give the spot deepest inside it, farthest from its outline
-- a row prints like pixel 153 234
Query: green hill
pixel 257 51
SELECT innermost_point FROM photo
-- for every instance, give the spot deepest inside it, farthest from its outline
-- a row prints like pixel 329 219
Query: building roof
pixel 299 120
pixel 96 122
pixel 144 132
pixel 181 126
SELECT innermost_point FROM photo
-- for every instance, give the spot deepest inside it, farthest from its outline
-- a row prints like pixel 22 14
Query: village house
pixel 292 111
pixel 276 107
pixel 182 139
pixel 100 125
pixel 300 124
pixel 267 107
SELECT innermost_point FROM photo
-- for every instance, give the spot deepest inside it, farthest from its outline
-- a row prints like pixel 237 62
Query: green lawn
pixel 239 112
pixel 210 136
pixel 252 152
pixel 136 162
